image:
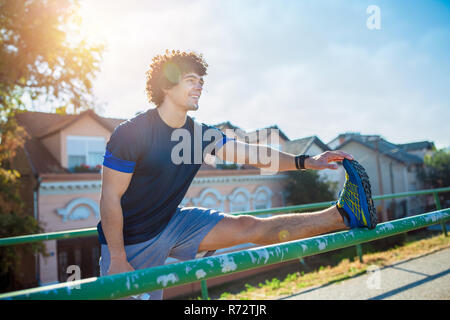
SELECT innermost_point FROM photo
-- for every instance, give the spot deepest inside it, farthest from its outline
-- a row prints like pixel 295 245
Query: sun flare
pixel 89 25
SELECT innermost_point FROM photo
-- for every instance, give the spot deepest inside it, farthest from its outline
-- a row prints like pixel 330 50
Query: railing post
pixel 204 290
pixel 302 261
pixel 359 252
pixel 438 207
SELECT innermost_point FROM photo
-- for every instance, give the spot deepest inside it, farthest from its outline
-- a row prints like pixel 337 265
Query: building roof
pixel 242 133
pixel 226 125
pixel 282 134
pixel 41 160
pixel 301 146
pixel 420 145
pixel 41 124
pixel 384 147
pixel 108 124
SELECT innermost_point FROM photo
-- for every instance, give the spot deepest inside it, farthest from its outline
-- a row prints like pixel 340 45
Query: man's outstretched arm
pixel 265 157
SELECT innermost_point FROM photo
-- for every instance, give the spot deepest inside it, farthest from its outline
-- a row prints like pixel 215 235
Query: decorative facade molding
pixel 199 201
pixel 235 204
pixel 67 187
pixel 250 202
pixel 79 209
pixel 224 180
pixel 185 201
pixel 265 190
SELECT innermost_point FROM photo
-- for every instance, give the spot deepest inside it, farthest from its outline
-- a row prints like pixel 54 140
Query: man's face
pixel 187 92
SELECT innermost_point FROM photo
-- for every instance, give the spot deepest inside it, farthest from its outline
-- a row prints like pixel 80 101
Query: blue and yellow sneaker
pixel 355 202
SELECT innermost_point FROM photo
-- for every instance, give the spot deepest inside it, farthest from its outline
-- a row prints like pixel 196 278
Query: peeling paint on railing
pixel 146 280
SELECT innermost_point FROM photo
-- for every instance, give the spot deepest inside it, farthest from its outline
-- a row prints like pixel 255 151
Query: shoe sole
pixel 362 174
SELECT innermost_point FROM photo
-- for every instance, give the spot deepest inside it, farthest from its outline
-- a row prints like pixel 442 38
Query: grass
pixel 338 266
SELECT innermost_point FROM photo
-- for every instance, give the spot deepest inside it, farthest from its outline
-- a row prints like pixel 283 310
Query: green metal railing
pixel 126 284
pixel 86 232
pixel 150 279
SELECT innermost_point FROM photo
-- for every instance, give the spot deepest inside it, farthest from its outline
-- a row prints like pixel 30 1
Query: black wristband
pixel 300 161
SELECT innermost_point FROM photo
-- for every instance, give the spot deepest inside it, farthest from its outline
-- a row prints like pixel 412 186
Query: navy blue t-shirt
pixel 164 161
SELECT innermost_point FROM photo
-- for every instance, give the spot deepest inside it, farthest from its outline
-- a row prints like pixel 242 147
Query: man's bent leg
pixel 139 258
pixel 234 230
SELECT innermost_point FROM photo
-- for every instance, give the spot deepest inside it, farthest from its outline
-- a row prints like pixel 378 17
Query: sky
pixel 310 67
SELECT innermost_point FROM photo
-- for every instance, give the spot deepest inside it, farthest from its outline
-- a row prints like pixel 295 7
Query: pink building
pixel 61 185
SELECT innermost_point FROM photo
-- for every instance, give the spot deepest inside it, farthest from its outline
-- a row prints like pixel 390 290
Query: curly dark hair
pixel 165 71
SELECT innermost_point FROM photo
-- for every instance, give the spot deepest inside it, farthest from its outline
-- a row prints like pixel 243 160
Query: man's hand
pixel 119 266
pixel 322 161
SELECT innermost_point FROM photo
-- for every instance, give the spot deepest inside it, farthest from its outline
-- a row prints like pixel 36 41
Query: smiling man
pixel 142 221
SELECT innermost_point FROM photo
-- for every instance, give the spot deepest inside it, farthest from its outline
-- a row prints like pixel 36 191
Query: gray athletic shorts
pixel 180 239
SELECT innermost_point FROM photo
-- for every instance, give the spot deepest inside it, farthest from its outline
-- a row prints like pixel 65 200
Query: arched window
pixel 185 202
pixel 240 200
pixel 262 200
pixel 209 201
pixel 210 198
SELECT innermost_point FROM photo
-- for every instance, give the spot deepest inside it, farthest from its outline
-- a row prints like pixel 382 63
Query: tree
pixel 307 187
pixel 13 220
pixel 43 59
pixel 436 173
pixel 44 55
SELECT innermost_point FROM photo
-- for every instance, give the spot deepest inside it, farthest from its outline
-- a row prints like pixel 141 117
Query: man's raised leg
pixel 354 209
pixel 234 230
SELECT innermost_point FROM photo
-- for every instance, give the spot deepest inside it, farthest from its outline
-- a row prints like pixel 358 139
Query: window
pixel 261 200
pixel 240 203
pixel 240 200
pixel 95 260
pixel 83 253
pixel 85 150
pixel 62 266
pixel 210 198
pixel 210 201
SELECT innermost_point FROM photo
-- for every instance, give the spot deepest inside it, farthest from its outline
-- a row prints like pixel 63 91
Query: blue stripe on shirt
pixel 115 163
pixel 220 143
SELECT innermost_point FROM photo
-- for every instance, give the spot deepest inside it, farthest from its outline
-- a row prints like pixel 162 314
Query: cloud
pixel 310 68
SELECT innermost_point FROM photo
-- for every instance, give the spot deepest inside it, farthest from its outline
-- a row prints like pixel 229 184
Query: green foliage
pixel 274 284
pixel 42 54
pixel 15 224
pixel 13 221
pixel 225 295
pixel 42 59
pixel 249 288
pixel 86 168
pixel 228 166
pixel 291 277
pixel 436 173
pixel 307 187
